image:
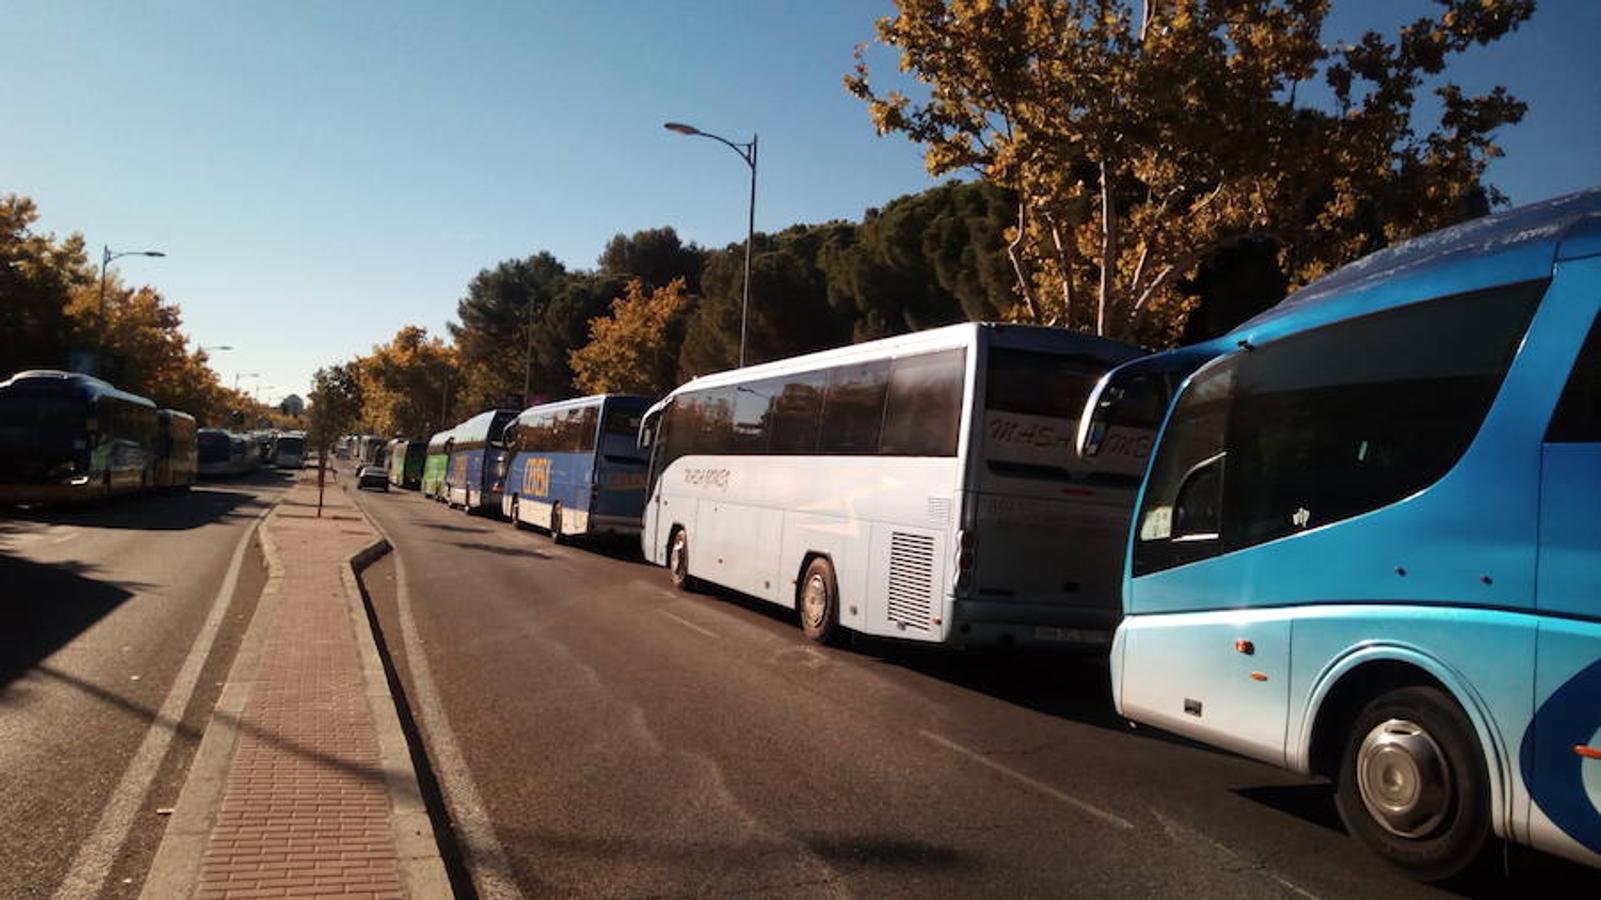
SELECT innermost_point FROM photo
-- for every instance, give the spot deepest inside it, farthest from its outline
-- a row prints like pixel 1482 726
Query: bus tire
pixel 1413 785
pixel 678 560
pixel 516 513
pixel 556 534
pixel 818 601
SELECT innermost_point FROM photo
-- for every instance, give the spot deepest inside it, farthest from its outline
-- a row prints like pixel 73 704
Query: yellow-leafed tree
pixel 635 348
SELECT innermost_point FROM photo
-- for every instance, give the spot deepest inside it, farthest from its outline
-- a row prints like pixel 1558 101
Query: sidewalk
pixel 315 801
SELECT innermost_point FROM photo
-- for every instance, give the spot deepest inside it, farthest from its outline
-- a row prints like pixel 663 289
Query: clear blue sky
pixel 322 174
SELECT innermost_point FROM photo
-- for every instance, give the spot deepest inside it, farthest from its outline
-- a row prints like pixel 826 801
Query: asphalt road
pixel 105 607
pixel 625 739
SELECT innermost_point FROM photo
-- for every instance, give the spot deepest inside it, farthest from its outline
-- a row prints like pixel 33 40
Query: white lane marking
pixel 96 854
pixel 62 539
pixel 1173 829
pixel 688 624
pixel 1112 819
pixel 486 858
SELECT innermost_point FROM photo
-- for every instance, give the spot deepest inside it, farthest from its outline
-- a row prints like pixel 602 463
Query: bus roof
pixel 580 402
pixel 437 442
pixel 1520 244
pixel 75 384
pixel 477 428
pixel 1023 337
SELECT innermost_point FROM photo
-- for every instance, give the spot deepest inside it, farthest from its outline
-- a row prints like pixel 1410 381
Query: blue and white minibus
pixel 473 474
pixel 575 467
pixel 1367 544
pixel 923 487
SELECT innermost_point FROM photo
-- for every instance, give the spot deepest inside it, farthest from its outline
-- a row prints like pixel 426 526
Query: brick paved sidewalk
pixel 305 810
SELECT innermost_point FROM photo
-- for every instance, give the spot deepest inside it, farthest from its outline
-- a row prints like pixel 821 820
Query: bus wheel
pixel 1413 785
pixel 516 513
pixel 819 602
pixel 555 524
pixel 678 560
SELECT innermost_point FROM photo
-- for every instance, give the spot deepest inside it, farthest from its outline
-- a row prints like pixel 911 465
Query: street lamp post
pixel 106 256
pixel 747 152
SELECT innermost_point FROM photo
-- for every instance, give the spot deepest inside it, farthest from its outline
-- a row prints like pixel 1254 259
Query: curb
pixel 422 868
pixel 175 870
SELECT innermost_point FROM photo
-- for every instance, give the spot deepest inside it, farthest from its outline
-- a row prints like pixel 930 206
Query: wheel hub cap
pixel 814 601
pixel 1403 777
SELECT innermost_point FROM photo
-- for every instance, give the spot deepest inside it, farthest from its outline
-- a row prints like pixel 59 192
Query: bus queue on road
pixel 1353 537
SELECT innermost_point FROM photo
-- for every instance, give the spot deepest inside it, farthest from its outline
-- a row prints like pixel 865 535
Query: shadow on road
pixel 44 607
pixel 210 501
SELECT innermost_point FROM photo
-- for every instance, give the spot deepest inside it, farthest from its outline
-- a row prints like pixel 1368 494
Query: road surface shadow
pixel 502 551
pixel 886 852
pixel 44 607
pixel 174 511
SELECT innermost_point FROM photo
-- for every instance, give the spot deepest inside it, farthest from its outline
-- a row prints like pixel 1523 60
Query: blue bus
pixel 1366 545
pixel 576 467
pixel 475 462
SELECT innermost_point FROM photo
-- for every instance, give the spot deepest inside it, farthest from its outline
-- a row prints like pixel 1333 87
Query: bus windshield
pixel 40 429
pixel 291 444
pixel 33 422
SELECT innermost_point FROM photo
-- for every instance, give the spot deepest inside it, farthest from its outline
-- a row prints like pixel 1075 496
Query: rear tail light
pixel 966 543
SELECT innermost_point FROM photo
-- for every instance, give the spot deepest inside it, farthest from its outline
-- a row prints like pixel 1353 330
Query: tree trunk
pixel 1108 250
pixel 1064 265
pixel 1019 266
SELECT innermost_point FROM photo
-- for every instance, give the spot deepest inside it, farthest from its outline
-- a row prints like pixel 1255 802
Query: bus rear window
pixel 1030 383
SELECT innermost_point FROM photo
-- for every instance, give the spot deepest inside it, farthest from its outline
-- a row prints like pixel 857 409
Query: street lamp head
pixel 681 128
pixel 154 253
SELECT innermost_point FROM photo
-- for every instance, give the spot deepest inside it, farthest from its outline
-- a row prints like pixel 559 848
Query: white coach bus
pixel 923 487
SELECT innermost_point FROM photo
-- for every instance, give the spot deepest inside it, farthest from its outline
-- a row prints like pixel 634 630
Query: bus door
pixel 650 443
pixel 1563 746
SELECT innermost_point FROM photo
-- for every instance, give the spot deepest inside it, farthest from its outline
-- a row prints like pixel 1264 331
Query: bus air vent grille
pixel 939 512
pixel 911 579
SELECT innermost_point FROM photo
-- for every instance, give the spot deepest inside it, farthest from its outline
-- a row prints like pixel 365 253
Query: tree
pixel 634 350
pixel 1140 145
pixel 38 274
pixel 924 260
pixel 499 317
pixel 335 405
pixel 655 256
pixel 792 307
pixel 403 384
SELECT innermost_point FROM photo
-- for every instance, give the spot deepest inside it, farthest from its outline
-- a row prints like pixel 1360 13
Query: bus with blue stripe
pixel 576 467
pixel 476 456
pixel 1366 545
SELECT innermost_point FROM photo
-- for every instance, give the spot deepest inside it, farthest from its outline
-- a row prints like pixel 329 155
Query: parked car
pixel 373 476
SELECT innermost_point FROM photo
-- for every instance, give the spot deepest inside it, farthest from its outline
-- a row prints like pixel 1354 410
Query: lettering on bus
pixel 1030 431
pixel 458 469
pixel 717 478
pixel 536 477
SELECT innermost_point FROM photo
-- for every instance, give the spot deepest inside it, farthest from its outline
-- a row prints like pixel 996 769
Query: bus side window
pixel 1577 419
pixel 923 416
pixel 853 411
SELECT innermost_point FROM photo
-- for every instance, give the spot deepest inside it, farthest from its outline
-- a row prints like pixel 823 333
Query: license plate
pixel 1070 635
